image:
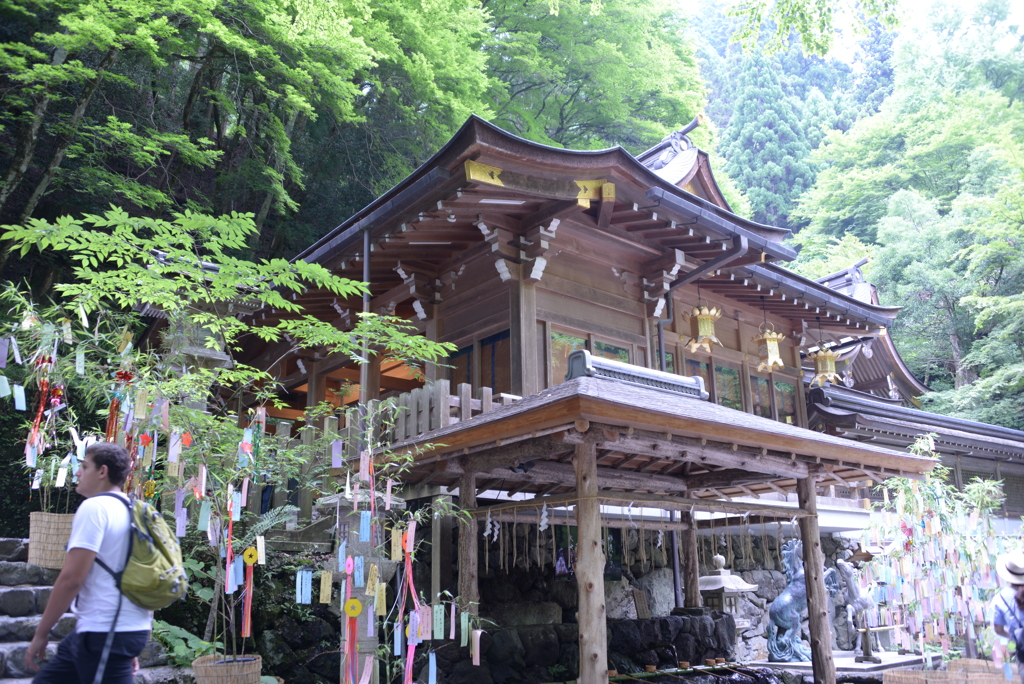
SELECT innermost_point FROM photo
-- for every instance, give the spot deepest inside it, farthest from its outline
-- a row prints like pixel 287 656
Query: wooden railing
pixel 433 406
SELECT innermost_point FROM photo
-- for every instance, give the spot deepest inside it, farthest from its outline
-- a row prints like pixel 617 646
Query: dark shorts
pixel 78 656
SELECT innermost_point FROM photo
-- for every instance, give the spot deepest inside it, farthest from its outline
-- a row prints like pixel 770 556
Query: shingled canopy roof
pixel 652 440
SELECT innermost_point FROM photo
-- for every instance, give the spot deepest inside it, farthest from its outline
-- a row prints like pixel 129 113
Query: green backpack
pixel 153 575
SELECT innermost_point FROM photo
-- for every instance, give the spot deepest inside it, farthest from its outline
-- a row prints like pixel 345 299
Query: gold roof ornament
pixel 824 362
pixel 702 326
pixel 768 348
pixel 825 367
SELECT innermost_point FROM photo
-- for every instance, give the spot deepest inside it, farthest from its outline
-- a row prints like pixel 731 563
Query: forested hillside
pixel 302 111
pixel 931 187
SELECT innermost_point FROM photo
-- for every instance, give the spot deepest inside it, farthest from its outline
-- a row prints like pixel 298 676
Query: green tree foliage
pixel 765 143
pixel 931 185
pixel 582 75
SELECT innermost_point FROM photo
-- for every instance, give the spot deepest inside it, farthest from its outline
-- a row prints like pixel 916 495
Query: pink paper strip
pixel 367 670
pixel 475 646
pixel 245 491
pixel 451 634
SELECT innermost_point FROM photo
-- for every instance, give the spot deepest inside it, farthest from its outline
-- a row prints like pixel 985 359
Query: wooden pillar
pixel 432 331
pixel 691 570
pixel 440 550
pixel 523 336
pixel 819 625
pixel 590 561
pixel 469 587
pixel 316 392
pixel 280 498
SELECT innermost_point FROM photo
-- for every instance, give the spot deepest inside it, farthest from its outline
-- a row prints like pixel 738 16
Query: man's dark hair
pixel 114 456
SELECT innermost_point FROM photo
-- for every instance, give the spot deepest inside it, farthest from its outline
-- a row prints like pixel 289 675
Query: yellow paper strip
pixel 396 544
pixel 371 580
pixel 326 578
pixel 382 599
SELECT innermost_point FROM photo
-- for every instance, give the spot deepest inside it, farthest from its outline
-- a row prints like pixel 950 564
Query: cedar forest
pixel 300 112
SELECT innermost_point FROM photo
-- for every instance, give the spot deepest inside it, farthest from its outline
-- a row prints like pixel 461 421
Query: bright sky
pixel 912 13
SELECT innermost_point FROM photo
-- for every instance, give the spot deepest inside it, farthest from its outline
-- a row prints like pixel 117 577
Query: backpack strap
pixel 1011 611
pixel 109 643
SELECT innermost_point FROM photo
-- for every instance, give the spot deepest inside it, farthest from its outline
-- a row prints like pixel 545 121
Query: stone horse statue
pixel 856 603
pixel 784 615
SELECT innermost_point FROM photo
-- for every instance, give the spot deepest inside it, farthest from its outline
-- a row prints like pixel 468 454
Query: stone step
pixel 17 573
pixel 147 675
pixel 24 628
pixel 23 600
pixel 12 658
pixel 13 549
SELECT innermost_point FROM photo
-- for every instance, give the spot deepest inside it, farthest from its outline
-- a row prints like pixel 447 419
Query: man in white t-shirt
pixel 100 532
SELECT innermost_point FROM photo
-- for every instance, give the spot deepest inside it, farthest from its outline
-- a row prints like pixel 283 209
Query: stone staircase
pixel 24 591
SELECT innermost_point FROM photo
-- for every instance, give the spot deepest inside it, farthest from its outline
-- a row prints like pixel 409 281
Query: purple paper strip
pixel 336 452
pixel 180 512
pixel 5 344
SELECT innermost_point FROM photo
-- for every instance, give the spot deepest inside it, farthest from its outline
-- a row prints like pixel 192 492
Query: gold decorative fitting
pixel 825 367
pixel 702 327
pixel 768 348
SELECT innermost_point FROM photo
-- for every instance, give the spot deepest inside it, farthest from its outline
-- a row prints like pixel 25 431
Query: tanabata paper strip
pixel 414 627
pixel 372 576
pixel 364 466
pixel 19 398
pixel 239 566
pixel 179 513
pixel 451 634
pixel 17 352
pixel 247 605
pixel 357 572
pixel 387 496
pixel 432 669
pixel 396 544
pixel 337 449
pixel 397 649
pixel 371 622
pixel 174 447
pixel 326 579
pixel 464 629
pixel 5 344
pixel 410 540
pixel 5 386
pixel 438 621
pixel 367 670
pixel 426 623
pixel 381 602
pixel 236 506
pixel 364 526
pixel 80 362
pixel 298 586
pixel 475 647
pixel 204 516
pixel 38 479
pixel 307 587
pixel 342 553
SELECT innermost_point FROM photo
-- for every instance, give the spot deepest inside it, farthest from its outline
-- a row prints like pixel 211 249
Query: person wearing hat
pixel 1008 604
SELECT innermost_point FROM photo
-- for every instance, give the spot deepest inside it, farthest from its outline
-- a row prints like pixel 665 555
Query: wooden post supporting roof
pixel 817 597
pixel 316 392
pixel 691 572
pixel 469 587
pixel 523 334
pixel 593 628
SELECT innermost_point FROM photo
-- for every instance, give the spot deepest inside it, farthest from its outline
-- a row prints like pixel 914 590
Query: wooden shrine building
pixel 521 254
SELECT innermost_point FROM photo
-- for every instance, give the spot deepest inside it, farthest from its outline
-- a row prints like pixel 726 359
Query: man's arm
pixel 77 564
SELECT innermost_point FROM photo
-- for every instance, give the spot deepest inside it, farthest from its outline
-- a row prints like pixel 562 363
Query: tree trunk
pixel 26 148
pixel 268 200
pixel 65 140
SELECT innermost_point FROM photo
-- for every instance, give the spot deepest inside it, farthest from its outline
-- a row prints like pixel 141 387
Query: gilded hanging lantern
pixel 768 348
pixel 825 366
pixel 702 327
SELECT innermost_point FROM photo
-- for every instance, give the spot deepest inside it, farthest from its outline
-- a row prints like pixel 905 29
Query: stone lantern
pixel 721 591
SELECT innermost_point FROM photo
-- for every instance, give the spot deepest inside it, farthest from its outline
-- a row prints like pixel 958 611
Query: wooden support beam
pixel 525 370
pixel 820 629
pixel 704 452
pixel 590 561
pixel 688 553
pixel 729 477
pixel 440 551
pixel 604 215
pixel 469 587
pixel 316 392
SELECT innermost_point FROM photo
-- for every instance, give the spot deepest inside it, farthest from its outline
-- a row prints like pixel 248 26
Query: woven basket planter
pixel 221 669
pixel 48 535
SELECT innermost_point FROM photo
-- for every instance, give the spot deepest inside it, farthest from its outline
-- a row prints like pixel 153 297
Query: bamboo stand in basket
pixel 221 669
pixel 48 538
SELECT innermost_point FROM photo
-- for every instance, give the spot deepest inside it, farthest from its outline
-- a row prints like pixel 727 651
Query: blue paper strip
pixel 307 586
pixel 364 526
pixel 432 677
pixel 397 650
pixel 236 506
pixel 342 554
pixel 19 397
pixel 298 586
pixel 204 516
pixel 358 572
pixel 239 571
